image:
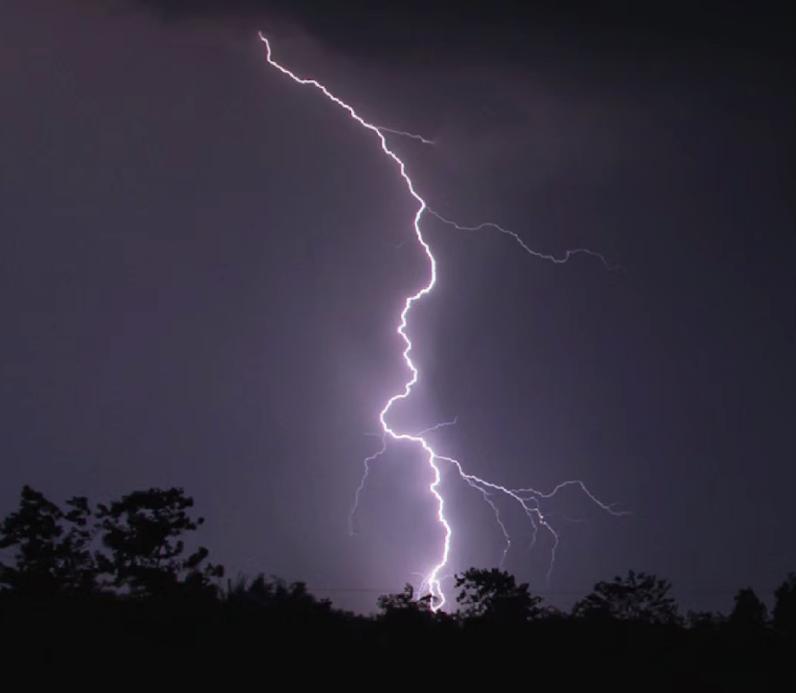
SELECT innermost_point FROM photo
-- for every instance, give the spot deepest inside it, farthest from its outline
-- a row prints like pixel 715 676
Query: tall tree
pixel 494 595
pixel 143 532
pixel 785 606
pixel 749 611
pixel 51 548
pixel 636 597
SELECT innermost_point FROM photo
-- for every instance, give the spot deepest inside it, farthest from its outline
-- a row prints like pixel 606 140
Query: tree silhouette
pixel 405 607
pixel 288 602
pixel 143 532
pixel 704 620
pixel 404 601
pixel 785 606
pixel 494 596
pixel 53 612
pixel 637 597
pixel 52 549
pixel 749 611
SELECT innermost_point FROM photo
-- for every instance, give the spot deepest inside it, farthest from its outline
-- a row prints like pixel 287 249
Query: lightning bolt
pixel 403 133
pixel 528 499
pixel 566 257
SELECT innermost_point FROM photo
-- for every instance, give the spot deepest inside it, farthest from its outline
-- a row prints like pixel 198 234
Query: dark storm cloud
pixel 459 31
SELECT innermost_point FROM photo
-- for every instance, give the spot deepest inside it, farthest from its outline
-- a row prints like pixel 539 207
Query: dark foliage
pixel 51 548
pixel 749 611
pixel 112 592
pixel 494 596
pixel 143 532
pixel 638 597
pixel 785 606
pixel 406 606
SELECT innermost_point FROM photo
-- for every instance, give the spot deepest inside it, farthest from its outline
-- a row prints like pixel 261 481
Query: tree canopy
pixel 142 534
pixel 494 595
pixel 51 548
pixel 126 582
pixel 635 597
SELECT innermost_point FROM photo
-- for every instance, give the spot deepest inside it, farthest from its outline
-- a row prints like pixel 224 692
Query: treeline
pixel 102 586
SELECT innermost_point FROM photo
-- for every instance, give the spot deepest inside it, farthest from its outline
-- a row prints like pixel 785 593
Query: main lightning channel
pixel 528 499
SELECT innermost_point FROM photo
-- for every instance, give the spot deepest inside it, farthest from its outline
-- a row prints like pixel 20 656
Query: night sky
pixel 202 264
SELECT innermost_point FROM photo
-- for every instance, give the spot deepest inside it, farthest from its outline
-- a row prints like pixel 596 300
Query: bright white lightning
pixel 528 499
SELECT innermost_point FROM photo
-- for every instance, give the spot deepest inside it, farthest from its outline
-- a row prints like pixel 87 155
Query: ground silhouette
pixel 110 590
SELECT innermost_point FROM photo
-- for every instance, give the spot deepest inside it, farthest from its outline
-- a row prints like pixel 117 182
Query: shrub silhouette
pixel 405 609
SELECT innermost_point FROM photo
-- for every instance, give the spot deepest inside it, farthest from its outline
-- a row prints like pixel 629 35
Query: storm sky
pixel 202 265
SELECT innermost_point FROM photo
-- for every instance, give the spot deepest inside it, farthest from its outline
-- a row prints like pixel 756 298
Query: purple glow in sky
pixel 529 499
pixel 203 264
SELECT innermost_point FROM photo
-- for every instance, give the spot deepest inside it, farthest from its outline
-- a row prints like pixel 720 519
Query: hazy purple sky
pixel 201 266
